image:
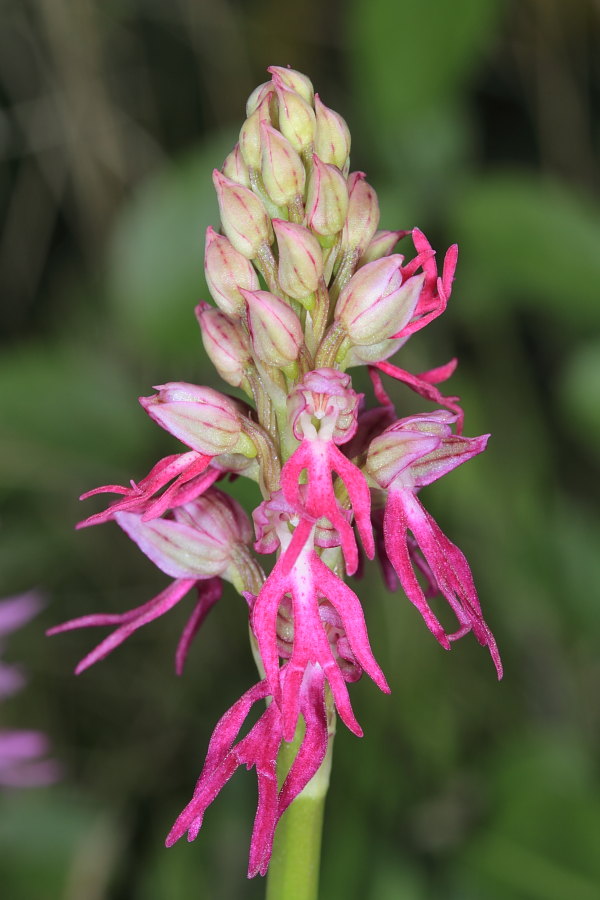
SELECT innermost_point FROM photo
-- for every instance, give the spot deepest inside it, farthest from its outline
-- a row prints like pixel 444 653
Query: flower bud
pixel 217 514
pixel 300 259
pixel 275 329
pixel 327 199
pixel 327 396
pixel 382 243
pixel 364 355
pixel 202 418
pixel 225 344
pixel 250 135
pixel 375 305
pixel 362 218
pixel 417 450
pixel 266 89
pixel 178 549
pixel 227 271
pixel 235 168
pixel 282 170
pixel 244 218
pixel 293 80
pixel 332 139
pixel 297 120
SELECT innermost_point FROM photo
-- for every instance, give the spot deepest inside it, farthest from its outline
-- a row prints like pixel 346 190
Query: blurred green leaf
pixel 530 242
pixel 156 259
pixel 65 409
pixel 541 844
pixel 410 57
pixel 579 395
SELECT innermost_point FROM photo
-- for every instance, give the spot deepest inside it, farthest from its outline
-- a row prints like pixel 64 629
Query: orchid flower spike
pixel 305 287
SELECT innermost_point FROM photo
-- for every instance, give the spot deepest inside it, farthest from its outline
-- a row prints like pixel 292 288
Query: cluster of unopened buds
pixel 306 287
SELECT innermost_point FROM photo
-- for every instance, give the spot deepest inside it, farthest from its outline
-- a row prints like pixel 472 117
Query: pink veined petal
pixel 360 496
pixel 381 395
pixel 209 592
pixel 190 819
pixel 436 291
pixel 448 567
pixel 129 621
pixel 424 389
pixel 418 324
pixel 449 268
pixel 441 373
pixel 313 748
pixel 259 749
pixel 454 571
pixel 264 626
pixel 297 544
pixel 320 499
pixel 349 607
pixel 138 497
pixel 395 527
pixel 187 487
pixel 228 728
pixel 322 459
pixel 310 643
pixel 311 646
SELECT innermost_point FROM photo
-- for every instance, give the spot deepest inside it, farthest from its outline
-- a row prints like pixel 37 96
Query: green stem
pixel 294 867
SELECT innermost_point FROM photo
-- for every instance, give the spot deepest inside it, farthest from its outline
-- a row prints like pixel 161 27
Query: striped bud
pixel 218 514
pixel 418 450
pixel 250 135
pixel 297 120
pixel 179 549
pixel 244 218
pixel 293 80
pixel 281 168
pixel 227 271
pixel 235 168
pixel 225 344
pixel 362 218
pixel 275 329
pixel 375 304
pixel 300 259
pixel 267 89
pixel 332 139
pixel 382 243
pixel 327 199
pixel 202 418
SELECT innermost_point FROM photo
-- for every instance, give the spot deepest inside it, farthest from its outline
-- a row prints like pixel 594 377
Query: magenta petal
pixel 314 744
pixel 187 487
pixel 321 459
pixel 349 607
pixel 447 564
pixel 439 374
pixel 395 527
pixel 359 494
pixel 140 497
pixel 423 388
pixel 130 621
pixel 209 592
pixel 264 625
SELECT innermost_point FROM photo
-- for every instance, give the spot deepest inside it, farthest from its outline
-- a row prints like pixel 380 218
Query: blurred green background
pixel 476 120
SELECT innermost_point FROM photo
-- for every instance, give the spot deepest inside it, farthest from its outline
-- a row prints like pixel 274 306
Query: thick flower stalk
pixel 305 287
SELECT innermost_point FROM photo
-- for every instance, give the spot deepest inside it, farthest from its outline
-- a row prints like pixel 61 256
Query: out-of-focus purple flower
pixel 21 752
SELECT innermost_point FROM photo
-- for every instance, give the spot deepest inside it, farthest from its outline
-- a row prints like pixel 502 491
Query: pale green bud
pixel 332 138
